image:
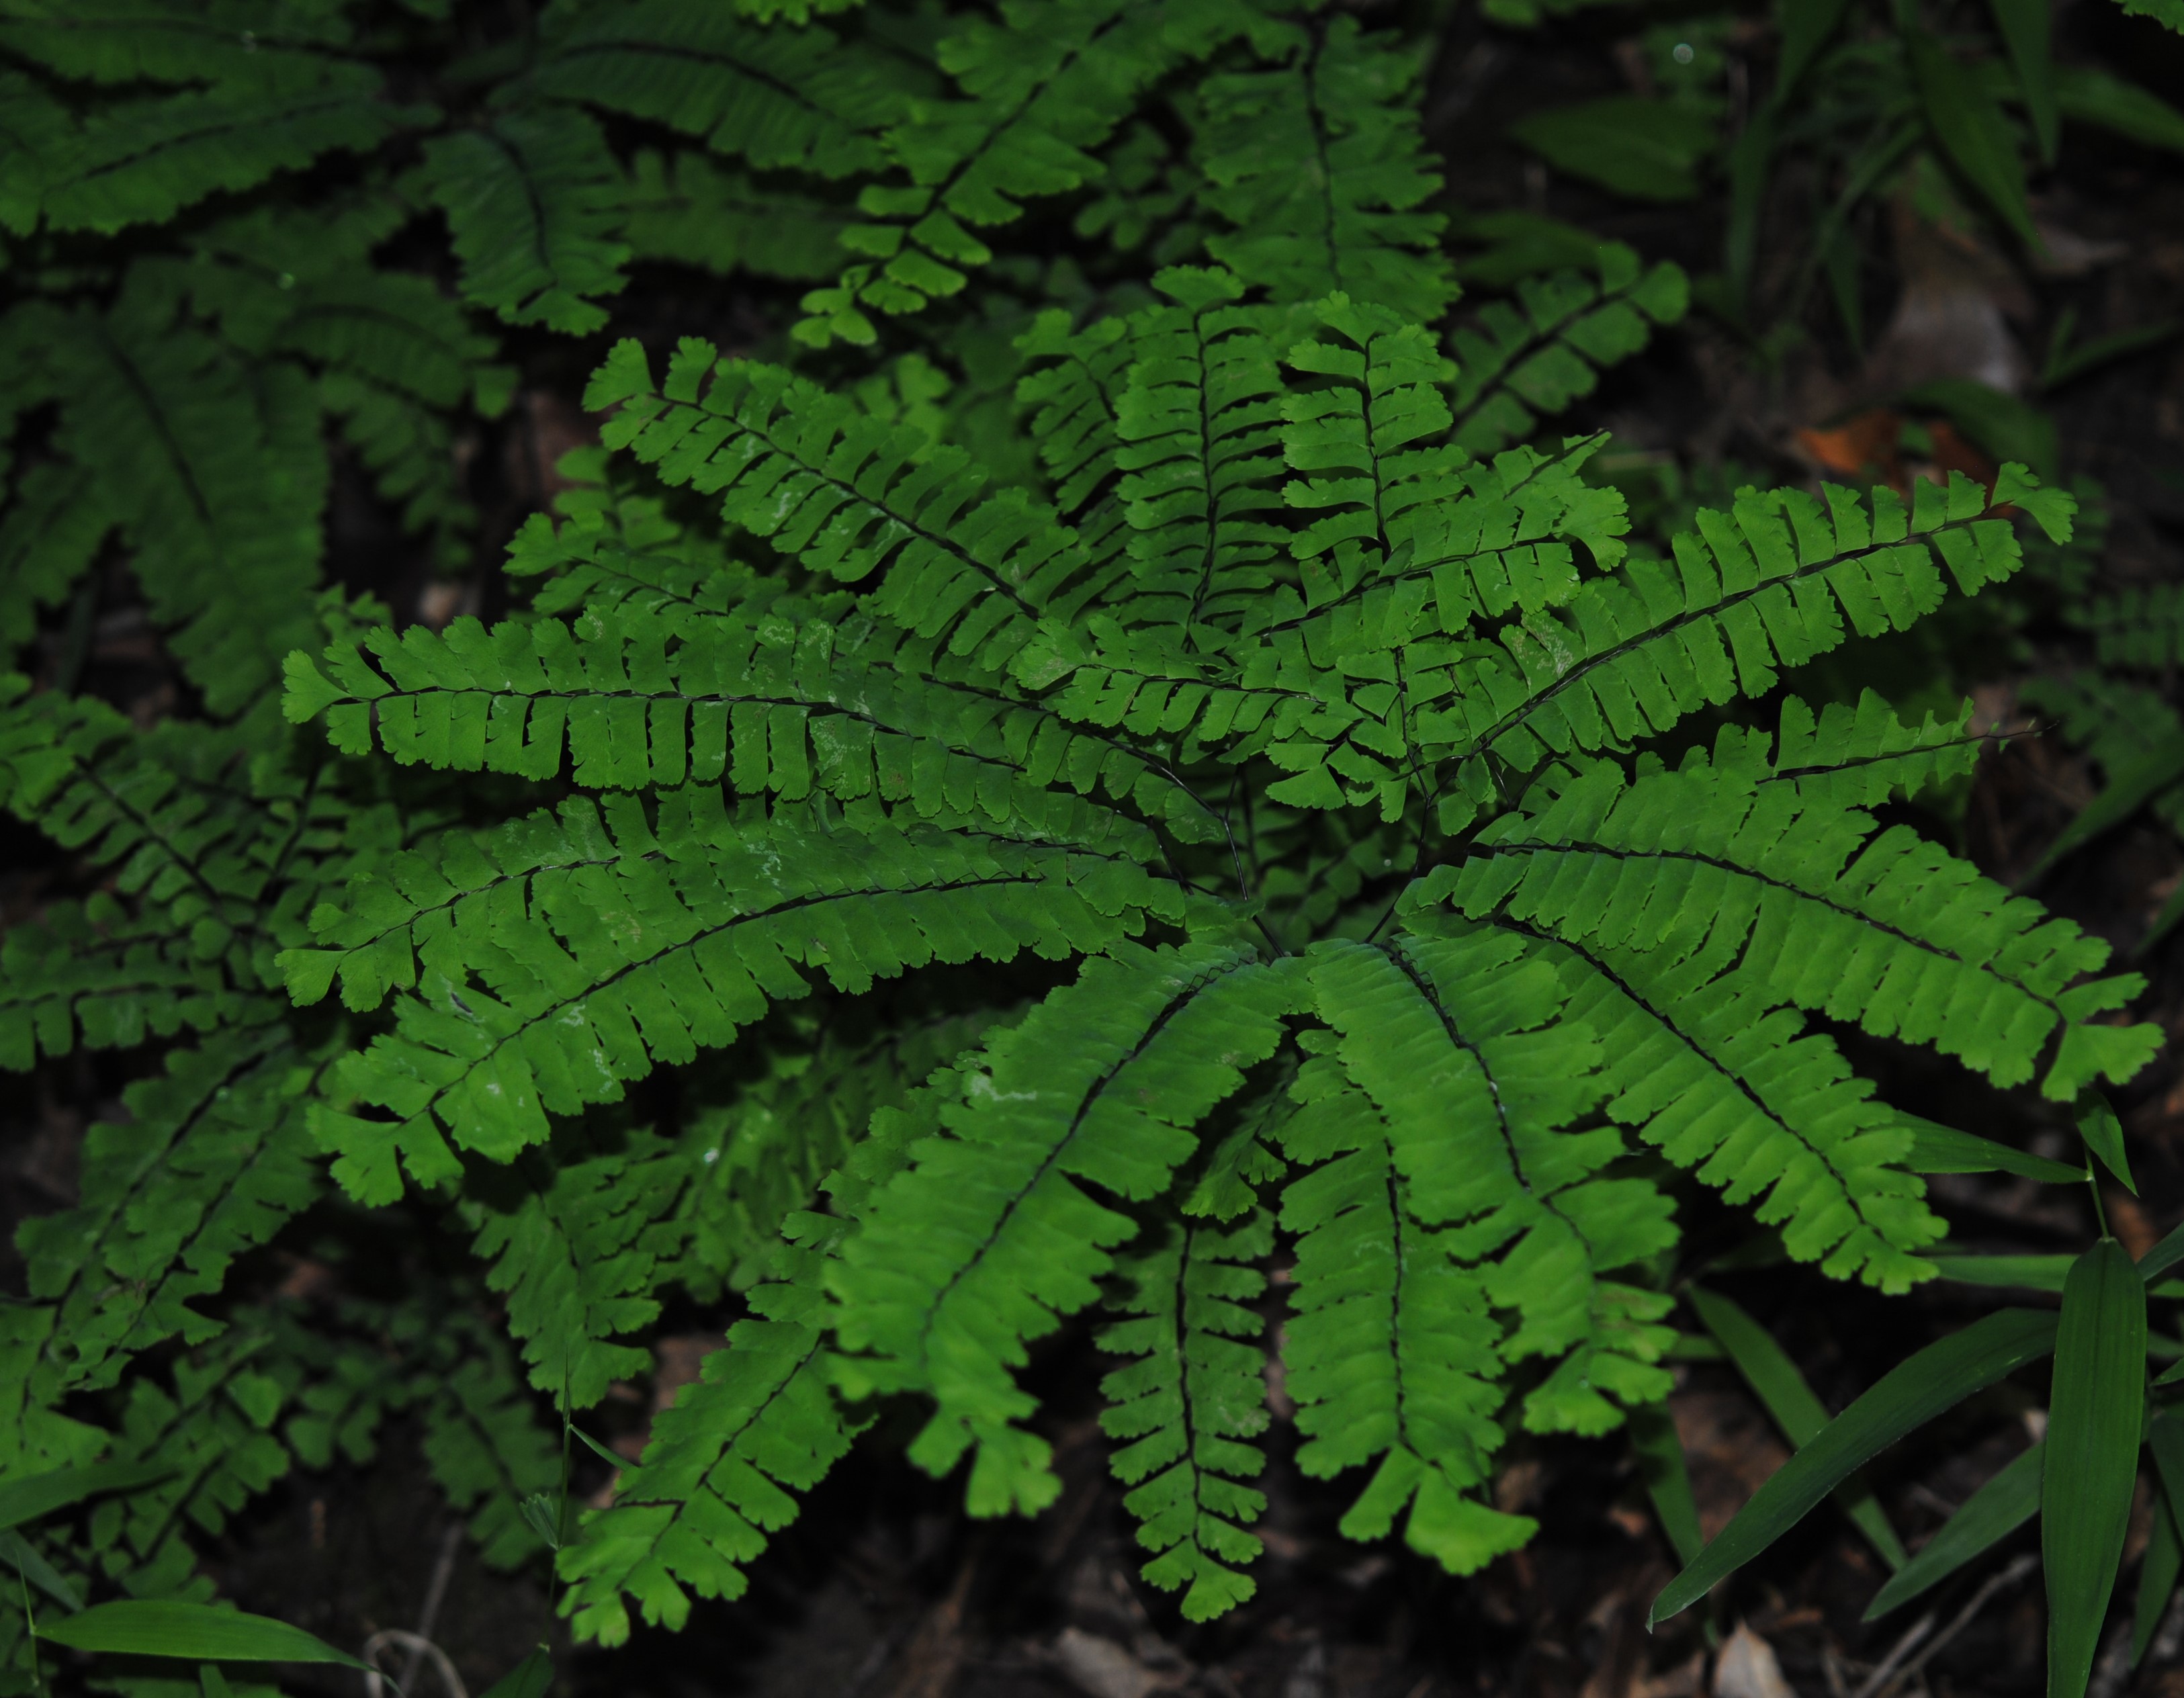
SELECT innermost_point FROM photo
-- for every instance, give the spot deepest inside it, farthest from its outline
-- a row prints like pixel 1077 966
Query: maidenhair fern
pixel 1158 768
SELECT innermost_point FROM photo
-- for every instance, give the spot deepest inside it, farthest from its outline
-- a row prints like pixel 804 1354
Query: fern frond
pixel 988 1239
pixel 795 98
pixel 1458 1039
pixel 1883 929
pixel 2140 629
pixel 212 467
pixel 1318 166
pixel 559 958
pixel 51 529
pixel 762 1418
pixel 575 1239
pixel 1045 82
pixel 142 160
pixel 1195 1394
pixel 850 496
pixel 486 1448
pixel 769 697
pixel 685 207
pixel 534 200
pixel 1389 1350
pixel 1770 585
pixel 212 1162
pixel 760 1155
pixel 1519 364
pixel 177 941
pixel 113 41
pixel 1197 430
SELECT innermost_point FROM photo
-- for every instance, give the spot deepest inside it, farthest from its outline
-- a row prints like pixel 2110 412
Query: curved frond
pixel 1319 167
pixel 534 201
pixel 989 1237
pixel 1190 1403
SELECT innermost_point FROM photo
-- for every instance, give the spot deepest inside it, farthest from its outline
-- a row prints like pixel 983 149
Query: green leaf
pixel 1990 1515
pixel 544 1518
pixel 2006 428
pixel 40 1573
pixel 1668 1477
pixel 1938 1148
pixel 1647 150
pixel 1970 128
pixel 2027 1273
pixel 1768 1369
pixel 1807 25
pixel 2132 782
pixel 22 1501
pixel 2158 1569
pixel 2127 108
pixel 2163 1256
pixel 1910 1394
pixel 2104 1135
pixel 529 1678
pixel 2093 1419
pixel 145 1627
pixel 2026 27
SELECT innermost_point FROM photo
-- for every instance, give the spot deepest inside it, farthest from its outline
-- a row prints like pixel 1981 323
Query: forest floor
pixel 884 1589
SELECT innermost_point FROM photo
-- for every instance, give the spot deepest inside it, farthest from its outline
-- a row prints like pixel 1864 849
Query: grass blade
pixel 1986 1518
pixel 529 1678
pixel 1908 1396
pixel 2093 1419
pixel 1770 1374
pixel 1668 1476
pixel 1938 1148
pixel 2157 1576
pixel 34 1568
pixel 1964 120
pixel 22 1501
pixel 2025 28
pixel 143 1627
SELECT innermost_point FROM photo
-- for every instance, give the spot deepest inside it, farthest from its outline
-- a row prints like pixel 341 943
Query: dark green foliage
pixel 1115 747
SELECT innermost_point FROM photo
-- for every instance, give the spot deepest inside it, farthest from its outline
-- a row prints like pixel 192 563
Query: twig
pixel 375 1684
pixel 1893 1667
pixel 450 1542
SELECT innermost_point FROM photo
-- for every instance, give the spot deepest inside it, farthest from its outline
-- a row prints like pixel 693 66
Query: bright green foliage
pixel 1196 1394
pixel 1148 771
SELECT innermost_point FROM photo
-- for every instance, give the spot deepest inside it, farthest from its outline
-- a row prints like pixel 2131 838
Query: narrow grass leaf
pixel 146 1626
pixel 19 1550
pixel 24 1501
pixel 1938 1148
pixel 1911 1393
pixel 1668 1477
pixel 1964 117
pixel 1768 1370
pixel 529 1678
pixel 2093 1419
pixel 2026 27
pixel 2157 1575
pixel 1989 1516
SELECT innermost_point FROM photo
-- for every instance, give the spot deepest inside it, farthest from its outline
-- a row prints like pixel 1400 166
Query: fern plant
pixel 1124 749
